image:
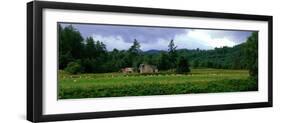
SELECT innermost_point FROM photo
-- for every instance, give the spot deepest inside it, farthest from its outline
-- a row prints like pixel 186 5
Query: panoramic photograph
pixel 102 60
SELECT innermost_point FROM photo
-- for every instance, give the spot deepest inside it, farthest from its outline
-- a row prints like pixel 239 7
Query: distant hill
pixel 225 57
pixel 153 51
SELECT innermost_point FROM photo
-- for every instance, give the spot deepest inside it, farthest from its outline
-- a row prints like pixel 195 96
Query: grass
pixel 163 83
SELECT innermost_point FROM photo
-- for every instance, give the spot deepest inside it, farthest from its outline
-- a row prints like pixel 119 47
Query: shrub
pixel 183 65
pixel 74 68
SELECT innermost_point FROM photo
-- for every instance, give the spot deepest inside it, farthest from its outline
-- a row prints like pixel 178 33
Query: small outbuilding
pixel 127 70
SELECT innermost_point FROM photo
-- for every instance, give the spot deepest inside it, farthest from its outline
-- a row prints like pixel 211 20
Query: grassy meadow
pixel 162 83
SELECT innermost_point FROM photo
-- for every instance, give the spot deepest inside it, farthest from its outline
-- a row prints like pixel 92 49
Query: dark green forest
pixel 79 55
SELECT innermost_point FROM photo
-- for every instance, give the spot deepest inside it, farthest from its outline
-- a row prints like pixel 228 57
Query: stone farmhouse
pixel 146 68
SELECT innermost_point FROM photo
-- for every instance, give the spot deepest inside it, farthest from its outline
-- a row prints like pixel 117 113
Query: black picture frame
pixel 35 69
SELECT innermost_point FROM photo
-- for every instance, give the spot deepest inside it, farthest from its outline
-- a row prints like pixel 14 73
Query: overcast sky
pixel 122 37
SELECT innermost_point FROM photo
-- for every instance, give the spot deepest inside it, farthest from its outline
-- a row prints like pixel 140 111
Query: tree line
pixel 78 55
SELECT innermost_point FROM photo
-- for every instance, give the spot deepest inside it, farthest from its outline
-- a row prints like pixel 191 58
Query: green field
pixel 163 83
